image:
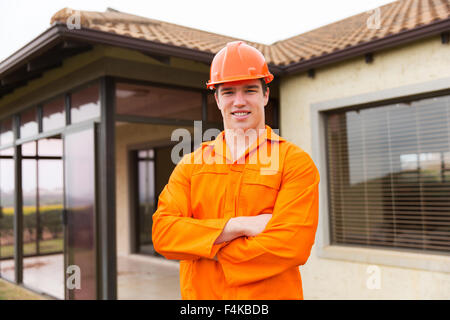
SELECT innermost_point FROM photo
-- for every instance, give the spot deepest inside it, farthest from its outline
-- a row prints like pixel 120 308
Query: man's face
pixel 242 104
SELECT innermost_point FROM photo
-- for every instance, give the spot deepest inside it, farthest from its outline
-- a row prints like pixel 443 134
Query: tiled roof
pixel 395 18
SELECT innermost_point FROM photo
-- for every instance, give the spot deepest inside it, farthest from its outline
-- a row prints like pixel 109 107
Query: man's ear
pixel 216 96
pixel 266 96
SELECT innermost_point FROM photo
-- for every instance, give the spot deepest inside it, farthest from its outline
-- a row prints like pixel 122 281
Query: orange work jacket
pixel 206 189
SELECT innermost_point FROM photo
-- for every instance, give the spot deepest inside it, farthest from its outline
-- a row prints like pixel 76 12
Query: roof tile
pixel 395 17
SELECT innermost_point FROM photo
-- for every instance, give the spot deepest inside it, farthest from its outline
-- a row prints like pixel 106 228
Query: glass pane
pixel 143 154
pixel 6 133
pixel 214 114
pixel 269 109
pixel 80 205
pixel 29 190
pixel 42 183
pixel 54 115
pixel 29 149
pixel 146 181
pixel 158 102
pixel 7 217
pixel 389 175
pixel 85 104
pixel 28 123
pixel 51 147
pixel 50 205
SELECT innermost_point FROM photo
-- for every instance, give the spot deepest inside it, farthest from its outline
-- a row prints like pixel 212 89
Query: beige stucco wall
pixel 416 63
pixel 128 135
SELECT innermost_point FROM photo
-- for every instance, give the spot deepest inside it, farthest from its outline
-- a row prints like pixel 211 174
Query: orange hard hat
pixel 238 61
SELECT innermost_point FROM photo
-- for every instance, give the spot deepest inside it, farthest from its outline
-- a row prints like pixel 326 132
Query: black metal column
pixel 18 205
pixel 107 191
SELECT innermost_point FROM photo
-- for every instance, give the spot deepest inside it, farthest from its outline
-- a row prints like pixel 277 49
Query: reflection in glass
pixel 50 147
pixel 54 115
pixel 6 133
pixel 269 111
pixel 390 175
pixel 29 149
pixel 42 187
pixel 158 102
pixel 28 123
pixel 146 184
pixel 7 216
pixel 50 205
pixel 29 192
pixel 80 205
pixel 85 104
pixel 214 114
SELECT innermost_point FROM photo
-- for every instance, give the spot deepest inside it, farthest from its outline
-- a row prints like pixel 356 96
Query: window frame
pixel 439 262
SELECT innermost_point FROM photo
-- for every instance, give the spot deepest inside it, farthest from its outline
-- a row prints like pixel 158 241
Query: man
pixel 240 212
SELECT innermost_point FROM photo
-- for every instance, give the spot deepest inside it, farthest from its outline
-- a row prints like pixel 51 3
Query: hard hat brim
pixel 267 79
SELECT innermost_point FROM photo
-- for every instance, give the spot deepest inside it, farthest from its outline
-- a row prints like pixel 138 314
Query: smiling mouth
pixel 240 114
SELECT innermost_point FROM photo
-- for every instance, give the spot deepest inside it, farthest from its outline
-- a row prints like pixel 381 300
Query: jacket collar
pixel 220 147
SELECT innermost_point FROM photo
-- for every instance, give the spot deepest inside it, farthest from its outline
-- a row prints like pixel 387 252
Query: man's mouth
pixel 241 114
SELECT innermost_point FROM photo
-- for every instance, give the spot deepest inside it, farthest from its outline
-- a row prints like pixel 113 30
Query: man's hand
pixel 243 226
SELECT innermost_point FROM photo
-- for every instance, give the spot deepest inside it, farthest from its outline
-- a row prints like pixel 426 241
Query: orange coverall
pixel 204 193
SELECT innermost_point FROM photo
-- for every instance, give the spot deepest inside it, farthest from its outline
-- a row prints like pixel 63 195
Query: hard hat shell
pixel 238 61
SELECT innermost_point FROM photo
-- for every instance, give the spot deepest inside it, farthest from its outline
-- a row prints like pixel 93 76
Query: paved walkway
pixel 147 278
pixel 140 277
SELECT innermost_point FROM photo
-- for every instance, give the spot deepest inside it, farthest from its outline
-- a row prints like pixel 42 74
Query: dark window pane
pixel 6 133
pixel 28 123
pixel 269 109
pixel 80 205
pixel 85 104
pixel 158 102
pixel 214 114
pixel 7 218
pixel 54 115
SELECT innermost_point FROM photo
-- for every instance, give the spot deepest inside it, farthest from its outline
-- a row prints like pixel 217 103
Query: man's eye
pixel 227 92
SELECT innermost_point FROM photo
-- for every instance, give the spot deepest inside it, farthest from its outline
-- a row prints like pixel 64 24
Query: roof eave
pixel 38 45
pixel 369 47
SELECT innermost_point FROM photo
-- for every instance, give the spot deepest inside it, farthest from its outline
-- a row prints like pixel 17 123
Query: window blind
pixel 389 175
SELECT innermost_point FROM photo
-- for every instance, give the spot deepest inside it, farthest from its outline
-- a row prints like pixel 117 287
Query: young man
pixel 240 212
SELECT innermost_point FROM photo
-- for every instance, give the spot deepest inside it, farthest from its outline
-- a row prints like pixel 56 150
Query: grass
pixel 51 245
pixel 9 291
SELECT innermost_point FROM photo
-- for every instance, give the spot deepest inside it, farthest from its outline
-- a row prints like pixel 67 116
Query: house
pixel 87 112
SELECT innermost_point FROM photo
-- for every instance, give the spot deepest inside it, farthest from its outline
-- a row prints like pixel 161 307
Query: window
pixel 6 132
pixel 389 175
pixel 7 186
pixel 28 123
pixel 85 104
pixel 54 114
pixel 42 196
pixel 158 102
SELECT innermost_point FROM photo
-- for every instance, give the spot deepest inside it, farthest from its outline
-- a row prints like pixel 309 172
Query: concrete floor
pixel 143 277
pixel 140 277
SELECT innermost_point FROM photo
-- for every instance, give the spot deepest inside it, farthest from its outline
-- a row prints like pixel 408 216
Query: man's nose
pixel 239 99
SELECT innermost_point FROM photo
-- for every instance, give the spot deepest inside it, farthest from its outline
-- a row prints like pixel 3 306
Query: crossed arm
pixel 243 226
pixel 248 248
